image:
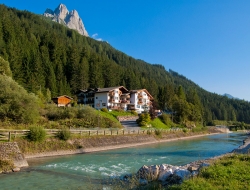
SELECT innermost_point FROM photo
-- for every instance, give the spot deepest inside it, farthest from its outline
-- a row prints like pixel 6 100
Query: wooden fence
pixel 9 134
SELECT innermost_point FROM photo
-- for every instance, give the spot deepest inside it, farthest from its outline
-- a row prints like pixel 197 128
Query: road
pixel 130 125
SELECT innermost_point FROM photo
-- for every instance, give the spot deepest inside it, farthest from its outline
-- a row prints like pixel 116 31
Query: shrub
pixel 104 110
pixel 143 119
pixel 134 112
pixel 184 130
pixel 16 103
pixel 149 132
pixel 36 133
pixel 64 134
pixel 6 165
pixel 158 132
pixel 57 113
pixel 165 118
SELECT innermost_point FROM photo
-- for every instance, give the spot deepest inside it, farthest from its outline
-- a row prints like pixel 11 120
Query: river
pixel 88 171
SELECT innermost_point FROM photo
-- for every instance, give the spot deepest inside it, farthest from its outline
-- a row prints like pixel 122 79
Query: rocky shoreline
pixel 168 174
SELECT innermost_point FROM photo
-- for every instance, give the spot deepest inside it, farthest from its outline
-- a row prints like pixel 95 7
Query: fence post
pixel 9 136
pixel 117 132
pixel 111 132
pixel 123 132
pixel 104 132
pixel 97 132
pixel 89 133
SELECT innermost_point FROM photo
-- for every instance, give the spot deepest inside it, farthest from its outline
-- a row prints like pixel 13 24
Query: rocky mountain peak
pixel 70 19
pixel 61 11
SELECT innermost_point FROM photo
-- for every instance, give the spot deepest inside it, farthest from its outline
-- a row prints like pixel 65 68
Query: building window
pixel 103 104
pixel 138 106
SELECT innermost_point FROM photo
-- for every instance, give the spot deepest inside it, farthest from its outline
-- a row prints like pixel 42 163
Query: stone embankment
pixel 10 151
pixel 127 118
pixel 245 148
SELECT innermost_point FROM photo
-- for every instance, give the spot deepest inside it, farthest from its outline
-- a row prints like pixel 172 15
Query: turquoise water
pixel 88 171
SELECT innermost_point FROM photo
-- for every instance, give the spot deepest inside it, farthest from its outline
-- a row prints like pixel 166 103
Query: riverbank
pixel 103 143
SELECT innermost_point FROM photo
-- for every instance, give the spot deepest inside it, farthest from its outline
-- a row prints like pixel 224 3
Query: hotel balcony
pixel 125 101
pixel 125 96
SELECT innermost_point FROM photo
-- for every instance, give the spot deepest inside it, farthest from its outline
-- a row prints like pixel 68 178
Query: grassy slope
pixel 229 172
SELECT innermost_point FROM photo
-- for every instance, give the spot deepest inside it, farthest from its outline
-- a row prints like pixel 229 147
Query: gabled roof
pixel 136 91
pixel 122 88
pixel 62 96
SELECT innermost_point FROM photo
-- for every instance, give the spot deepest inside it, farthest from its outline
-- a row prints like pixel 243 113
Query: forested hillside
pixel 48 57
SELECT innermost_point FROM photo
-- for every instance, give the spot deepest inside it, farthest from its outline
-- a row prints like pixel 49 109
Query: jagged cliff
pixel 70 19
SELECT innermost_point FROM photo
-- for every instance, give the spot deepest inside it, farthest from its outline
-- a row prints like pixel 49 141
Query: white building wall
pixel 101 100
pixel 116 96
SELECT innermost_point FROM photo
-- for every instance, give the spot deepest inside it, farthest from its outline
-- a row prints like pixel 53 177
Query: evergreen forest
pixel 49 60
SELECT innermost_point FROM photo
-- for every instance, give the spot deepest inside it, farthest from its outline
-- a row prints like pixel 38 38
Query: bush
pixel 57 113
pixel 166 119
pixel 64 134
pixel 143 119
pixel 6 165
pixel 158 132
pixel 184 130
pixel 16 103
pixel 104 110
pixel 134 112
pixel 36 133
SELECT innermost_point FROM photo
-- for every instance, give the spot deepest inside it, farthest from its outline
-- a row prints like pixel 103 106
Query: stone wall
pixel 11 151
pixel 126 118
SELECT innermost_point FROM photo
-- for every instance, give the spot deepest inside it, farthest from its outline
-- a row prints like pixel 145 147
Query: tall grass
pixel 230 172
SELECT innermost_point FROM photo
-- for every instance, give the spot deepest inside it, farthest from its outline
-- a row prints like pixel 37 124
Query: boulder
pixel 143 181
pixel 182 173
pixel 150 173
pixel 16 169
pixel 192 168
pixel 175 168
pixel 164 172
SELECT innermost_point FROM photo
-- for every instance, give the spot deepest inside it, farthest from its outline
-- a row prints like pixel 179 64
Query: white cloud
pixel 95 37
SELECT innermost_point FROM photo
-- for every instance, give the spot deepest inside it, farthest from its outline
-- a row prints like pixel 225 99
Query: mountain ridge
pixel 230 96
pixel 49 57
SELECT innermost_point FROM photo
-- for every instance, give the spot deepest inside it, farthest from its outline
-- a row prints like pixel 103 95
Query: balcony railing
pixel 111 93
pixel 125 101
pixel 125 96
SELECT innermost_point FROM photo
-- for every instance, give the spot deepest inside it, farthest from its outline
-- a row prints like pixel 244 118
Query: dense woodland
pixel 48 58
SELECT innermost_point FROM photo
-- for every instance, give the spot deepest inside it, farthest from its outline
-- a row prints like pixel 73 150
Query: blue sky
pixel 208 41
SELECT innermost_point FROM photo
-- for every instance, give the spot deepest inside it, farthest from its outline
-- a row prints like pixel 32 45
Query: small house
pixel 62 101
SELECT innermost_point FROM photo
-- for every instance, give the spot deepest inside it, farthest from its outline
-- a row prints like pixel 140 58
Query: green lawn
pixel 158 124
